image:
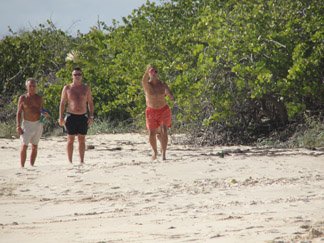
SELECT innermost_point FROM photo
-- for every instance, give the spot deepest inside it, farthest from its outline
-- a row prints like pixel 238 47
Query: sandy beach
pixel 199 194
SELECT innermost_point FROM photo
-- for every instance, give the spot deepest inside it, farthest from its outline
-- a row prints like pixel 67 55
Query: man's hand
pixel 45 113
pixel 19 130
pixel 90 120
pixel 61 122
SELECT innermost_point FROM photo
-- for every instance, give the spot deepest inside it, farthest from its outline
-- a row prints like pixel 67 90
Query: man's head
pixel 31 85
pixel 77 73
pixel 152 72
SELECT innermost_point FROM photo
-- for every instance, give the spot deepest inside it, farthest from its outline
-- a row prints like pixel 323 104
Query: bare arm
pixel 43 111
pixel 146 78
pixel 19 114
pixel 42 104
pixel 62 106
pixel 168 92
pixel 90 105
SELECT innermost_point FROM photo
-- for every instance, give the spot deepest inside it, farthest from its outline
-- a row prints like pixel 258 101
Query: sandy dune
pixel 196 195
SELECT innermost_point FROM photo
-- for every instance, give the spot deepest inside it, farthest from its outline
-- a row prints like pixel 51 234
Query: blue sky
pixel 68 15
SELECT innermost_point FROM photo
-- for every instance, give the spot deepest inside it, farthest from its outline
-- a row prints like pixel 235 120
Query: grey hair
pixel 30 80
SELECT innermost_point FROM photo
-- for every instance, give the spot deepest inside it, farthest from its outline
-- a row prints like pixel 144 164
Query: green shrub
pixel 108 126
pixel 310 137
pixel 8 129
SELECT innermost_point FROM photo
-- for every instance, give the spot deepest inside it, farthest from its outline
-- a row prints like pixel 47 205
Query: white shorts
pixel 32 132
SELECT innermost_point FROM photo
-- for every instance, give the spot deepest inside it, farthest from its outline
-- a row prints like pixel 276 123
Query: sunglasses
pixel 77 74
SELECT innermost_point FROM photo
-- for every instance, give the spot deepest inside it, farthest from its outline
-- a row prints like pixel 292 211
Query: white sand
pixel 120 195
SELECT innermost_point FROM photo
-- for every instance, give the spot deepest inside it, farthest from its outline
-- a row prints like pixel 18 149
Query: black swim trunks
pixel 76 124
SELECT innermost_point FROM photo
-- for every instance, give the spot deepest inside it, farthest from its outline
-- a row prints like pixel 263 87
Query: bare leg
pixel 69 147
pixel 152 139
pixel 23 154
pixel 81 139
pixel 164 140
pixel 33 154
pixel 158 135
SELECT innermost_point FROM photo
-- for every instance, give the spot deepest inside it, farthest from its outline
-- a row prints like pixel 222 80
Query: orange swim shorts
pixel 157 117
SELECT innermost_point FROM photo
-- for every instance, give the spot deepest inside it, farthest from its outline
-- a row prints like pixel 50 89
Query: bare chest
pixel 77 94
pixel 33 102
pixel 155 90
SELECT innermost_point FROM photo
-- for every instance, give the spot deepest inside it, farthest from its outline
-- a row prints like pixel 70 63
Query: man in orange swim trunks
pixel 158 114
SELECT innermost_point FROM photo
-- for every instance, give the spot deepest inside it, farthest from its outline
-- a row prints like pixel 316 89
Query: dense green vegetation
pixel 239 70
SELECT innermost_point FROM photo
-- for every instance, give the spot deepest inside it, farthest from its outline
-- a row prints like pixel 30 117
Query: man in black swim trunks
pixel 80 110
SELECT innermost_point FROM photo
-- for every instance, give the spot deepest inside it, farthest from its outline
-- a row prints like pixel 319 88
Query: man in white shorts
pixel 32 132
pixel 29 127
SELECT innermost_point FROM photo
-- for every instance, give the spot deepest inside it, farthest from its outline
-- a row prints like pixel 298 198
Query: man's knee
pixel 164 129
pixel 34 146
pixel 70 139
pixel 81 139
pixel 24 147
pixel 152 133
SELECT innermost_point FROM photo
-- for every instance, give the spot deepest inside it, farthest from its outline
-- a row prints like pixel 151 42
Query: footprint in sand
pixel 65 192
pixel 82 171
pixel 24 190
pixel 29 169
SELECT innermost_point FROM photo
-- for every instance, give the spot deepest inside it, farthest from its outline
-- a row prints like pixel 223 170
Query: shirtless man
pixel 158 113
pixel 79 103
pixel 28 122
